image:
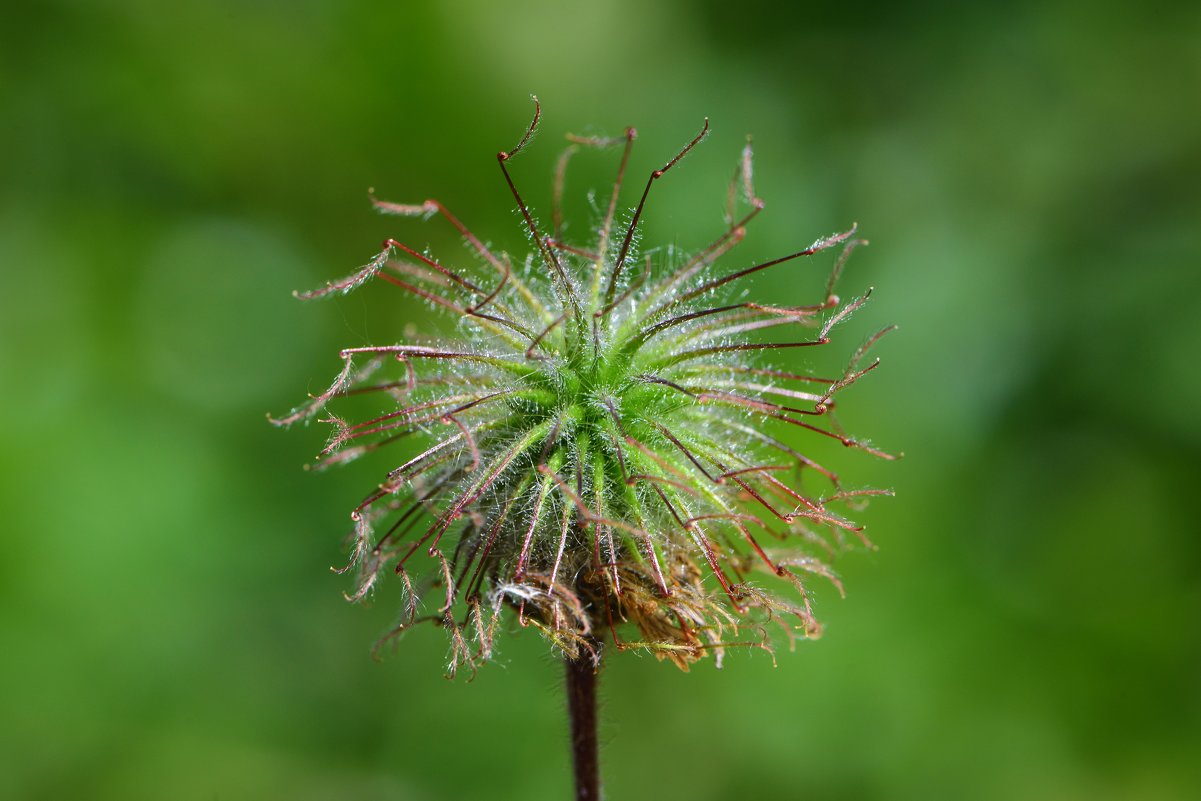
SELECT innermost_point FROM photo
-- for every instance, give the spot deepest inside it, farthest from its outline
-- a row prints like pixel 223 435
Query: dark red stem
pixel 581 708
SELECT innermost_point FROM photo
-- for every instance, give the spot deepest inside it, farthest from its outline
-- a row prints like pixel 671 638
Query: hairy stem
pixel 581 708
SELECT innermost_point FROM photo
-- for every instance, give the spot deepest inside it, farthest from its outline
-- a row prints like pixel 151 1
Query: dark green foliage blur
pixel 1030 178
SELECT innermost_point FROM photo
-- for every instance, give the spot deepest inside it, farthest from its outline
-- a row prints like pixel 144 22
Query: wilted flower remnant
pixel 599 449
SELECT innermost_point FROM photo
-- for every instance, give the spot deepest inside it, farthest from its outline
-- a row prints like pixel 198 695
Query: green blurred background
pixel 1030 178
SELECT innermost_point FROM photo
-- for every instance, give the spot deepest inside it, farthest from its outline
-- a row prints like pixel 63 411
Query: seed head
pixel 598 450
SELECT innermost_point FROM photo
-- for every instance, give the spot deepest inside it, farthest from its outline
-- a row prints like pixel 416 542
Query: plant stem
pixel 581 707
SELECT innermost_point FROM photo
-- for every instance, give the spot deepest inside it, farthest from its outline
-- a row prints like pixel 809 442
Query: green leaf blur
pixel 1029 176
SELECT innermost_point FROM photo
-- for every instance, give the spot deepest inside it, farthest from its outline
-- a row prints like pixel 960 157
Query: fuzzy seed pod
pixel 599 448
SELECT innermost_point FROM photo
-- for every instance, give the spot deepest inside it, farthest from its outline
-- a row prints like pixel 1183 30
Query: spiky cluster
pixel 598 449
